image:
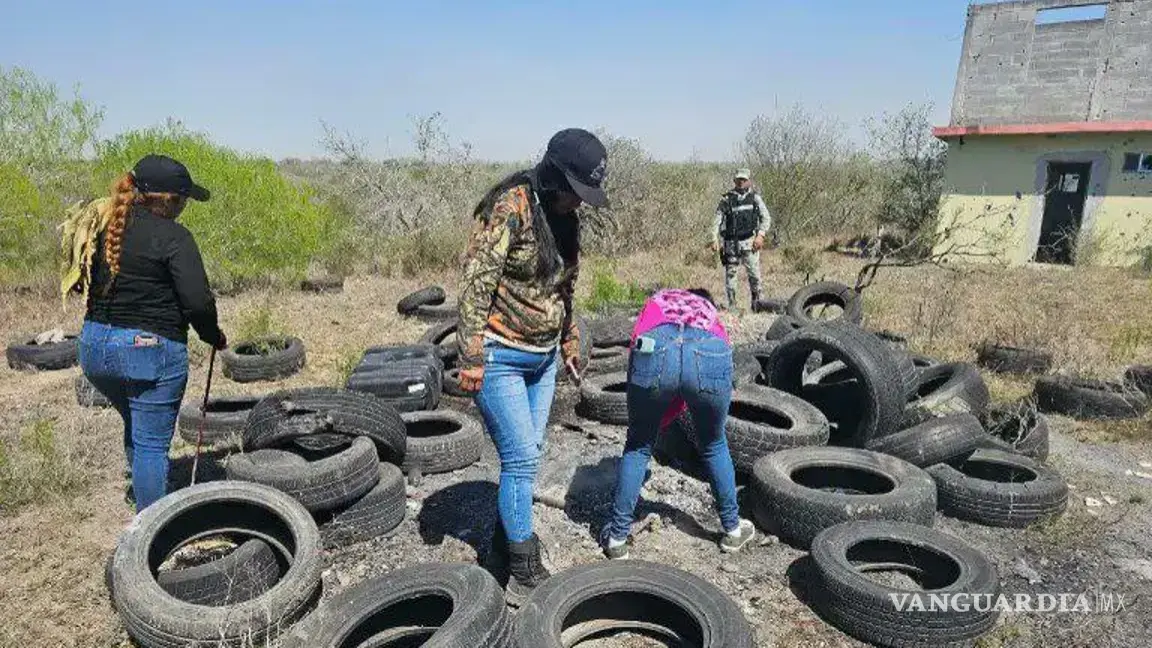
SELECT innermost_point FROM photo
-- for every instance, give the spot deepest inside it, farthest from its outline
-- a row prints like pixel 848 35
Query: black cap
pixel 161 174
pixel 584 161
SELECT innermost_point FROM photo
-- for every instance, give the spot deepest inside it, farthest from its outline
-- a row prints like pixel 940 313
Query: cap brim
pixel 199 193
pixel 594 196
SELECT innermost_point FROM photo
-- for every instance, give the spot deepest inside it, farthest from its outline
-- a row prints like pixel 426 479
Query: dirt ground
pixel 53 549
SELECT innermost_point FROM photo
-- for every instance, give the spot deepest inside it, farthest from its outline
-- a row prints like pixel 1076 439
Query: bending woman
pixel 516 326
pixel 148 285
pixel 681 359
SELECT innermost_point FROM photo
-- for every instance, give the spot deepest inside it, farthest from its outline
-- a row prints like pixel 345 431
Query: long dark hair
pixel 557 235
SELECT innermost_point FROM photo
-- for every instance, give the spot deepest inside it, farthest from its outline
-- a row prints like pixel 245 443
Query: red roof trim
pixel 1054 128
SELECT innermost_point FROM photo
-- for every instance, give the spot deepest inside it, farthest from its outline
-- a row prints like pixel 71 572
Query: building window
pixel 1138 163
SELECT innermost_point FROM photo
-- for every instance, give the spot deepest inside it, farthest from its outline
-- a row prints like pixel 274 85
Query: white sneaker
pixel 735 540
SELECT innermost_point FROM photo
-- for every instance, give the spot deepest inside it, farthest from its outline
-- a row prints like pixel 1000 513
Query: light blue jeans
pixel 143 375
pixel 696 365
pixel 515 400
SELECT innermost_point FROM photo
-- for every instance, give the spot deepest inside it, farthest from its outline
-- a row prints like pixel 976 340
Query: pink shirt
pixel 676 306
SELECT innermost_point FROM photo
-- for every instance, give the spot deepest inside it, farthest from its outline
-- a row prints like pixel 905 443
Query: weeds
pixel 1126 342
pixel 345 364
pixel 262 328
pixel 36 468
pixel 801 260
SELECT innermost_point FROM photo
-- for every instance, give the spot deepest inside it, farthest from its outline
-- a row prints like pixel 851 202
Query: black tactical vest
pixel 741 215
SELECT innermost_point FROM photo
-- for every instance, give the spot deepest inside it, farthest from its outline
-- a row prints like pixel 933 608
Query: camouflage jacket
pixel 501 298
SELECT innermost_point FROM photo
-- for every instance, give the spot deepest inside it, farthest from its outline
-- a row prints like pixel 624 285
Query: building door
pixel 1064 196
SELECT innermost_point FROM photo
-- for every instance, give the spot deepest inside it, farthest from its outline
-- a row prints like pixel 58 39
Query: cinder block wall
pixel 1013 71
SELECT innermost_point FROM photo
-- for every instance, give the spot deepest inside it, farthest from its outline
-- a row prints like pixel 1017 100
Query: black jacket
pixel 162 287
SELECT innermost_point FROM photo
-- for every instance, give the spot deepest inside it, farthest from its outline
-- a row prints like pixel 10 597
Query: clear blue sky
pixel 681 76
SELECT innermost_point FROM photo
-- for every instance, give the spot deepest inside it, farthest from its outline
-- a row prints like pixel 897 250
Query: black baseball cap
pixel 161 174
pixel 584 161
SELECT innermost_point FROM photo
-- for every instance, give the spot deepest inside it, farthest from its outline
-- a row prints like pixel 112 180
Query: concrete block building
pixel 1050 140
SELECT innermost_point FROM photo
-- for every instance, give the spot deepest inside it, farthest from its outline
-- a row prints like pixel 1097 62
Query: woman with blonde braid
pixel 147 285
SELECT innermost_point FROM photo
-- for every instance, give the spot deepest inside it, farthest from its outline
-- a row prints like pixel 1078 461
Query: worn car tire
pixel 652 598
pixel 87 395
pixel 745 367
pixel 1003 358
pixel 224 421
pixel 447 604
pixel 1086 399
pixel 320 485
pixel 802 302
pixel 762 420
pixel 247 572
pixel 604 398
pixel 241 363
pixel 156 619
pixel 443 337
pixel 676 447
pixel 379 512
pixel 1139 377
pixel 441 441
pixel 863 608
pixel 608 360
pixel 438 313
pixel 877 397
pixel 799 492
pixel 451 384
pixel 770 305
pixel 351 413
pixel 934 441
pixel 782 327
pixel 1002 489
pixel 1017 428
pixel 950 388
pixel 52 356
pixel 610 331
pixel 893 339
pixel 922 361
pixel 430 296
pixel 323 285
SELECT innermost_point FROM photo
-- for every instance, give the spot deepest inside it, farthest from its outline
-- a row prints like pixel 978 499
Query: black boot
pixel 526 568
pixel 496 560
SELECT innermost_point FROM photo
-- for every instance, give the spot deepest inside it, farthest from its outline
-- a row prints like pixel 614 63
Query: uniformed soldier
pixel 742 220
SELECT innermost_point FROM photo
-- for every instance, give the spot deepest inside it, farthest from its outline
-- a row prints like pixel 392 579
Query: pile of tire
pixel 407 377
pixel 428 304
pixel 985 464
pixel 335 452
pixel 268 358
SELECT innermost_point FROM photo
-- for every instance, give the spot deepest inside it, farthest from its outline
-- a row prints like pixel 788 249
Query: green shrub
pixel 609 293
pixel 25 241
pixel 44 138
pixel 258 227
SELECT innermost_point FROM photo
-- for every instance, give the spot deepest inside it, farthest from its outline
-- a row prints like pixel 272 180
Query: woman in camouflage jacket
pixel 516 326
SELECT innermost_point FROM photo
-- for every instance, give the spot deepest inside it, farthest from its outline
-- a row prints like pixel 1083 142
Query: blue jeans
pixel 515 400
pixel 697 366
pixel 143 375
